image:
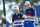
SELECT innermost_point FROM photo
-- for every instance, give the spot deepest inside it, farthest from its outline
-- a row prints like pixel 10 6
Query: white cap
pixel 16 7
pixel 27 2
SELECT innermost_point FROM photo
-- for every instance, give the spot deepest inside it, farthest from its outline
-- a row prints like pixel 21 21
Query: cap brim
pixel 25 4
pixel 15 9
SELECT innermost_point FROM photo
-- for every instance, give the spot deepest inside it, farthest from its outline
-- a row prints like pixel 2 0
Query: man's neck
pixel 16 13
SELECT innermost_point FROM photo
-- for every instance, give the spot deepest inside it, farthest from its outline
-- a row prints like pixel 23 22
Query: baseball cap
pixel 15 7
pixel 27 2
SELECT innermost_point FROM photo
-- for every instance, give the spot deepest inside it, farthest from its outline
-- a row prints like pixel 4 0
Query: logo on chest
pixel 18 16
pixel 29 11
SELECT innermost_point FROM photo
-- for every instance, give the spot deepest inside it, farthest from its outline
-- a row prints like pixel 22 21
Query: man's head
pixel 27 4
pixel 16 9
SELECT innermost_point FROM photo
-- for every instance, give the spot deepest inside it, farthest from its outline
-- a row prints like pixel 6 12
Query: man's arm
pixel 33 17
pixel 12 24
pixel 12 21
pixel 33 14
pixel 28 17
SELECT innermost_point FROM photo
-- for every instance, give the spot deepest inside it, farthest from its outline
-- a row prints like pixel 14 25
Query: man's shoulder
pixel 32 9
pixel 13 14
pixel 26 9
pixel 21 13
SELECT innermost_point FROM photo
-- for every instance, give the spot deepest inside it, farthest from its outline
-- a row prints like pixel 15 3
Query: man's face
pixel 16 11
pixel 27 6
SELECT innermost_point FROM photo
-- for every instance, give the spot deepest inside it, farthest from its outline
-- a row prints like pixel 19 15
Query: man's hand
pixel 31 17
pixel 12 24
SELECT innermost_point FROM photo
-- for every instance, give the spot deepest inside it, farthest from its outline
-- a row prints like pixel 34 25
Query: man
pixel 17 17
pixel 29 12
